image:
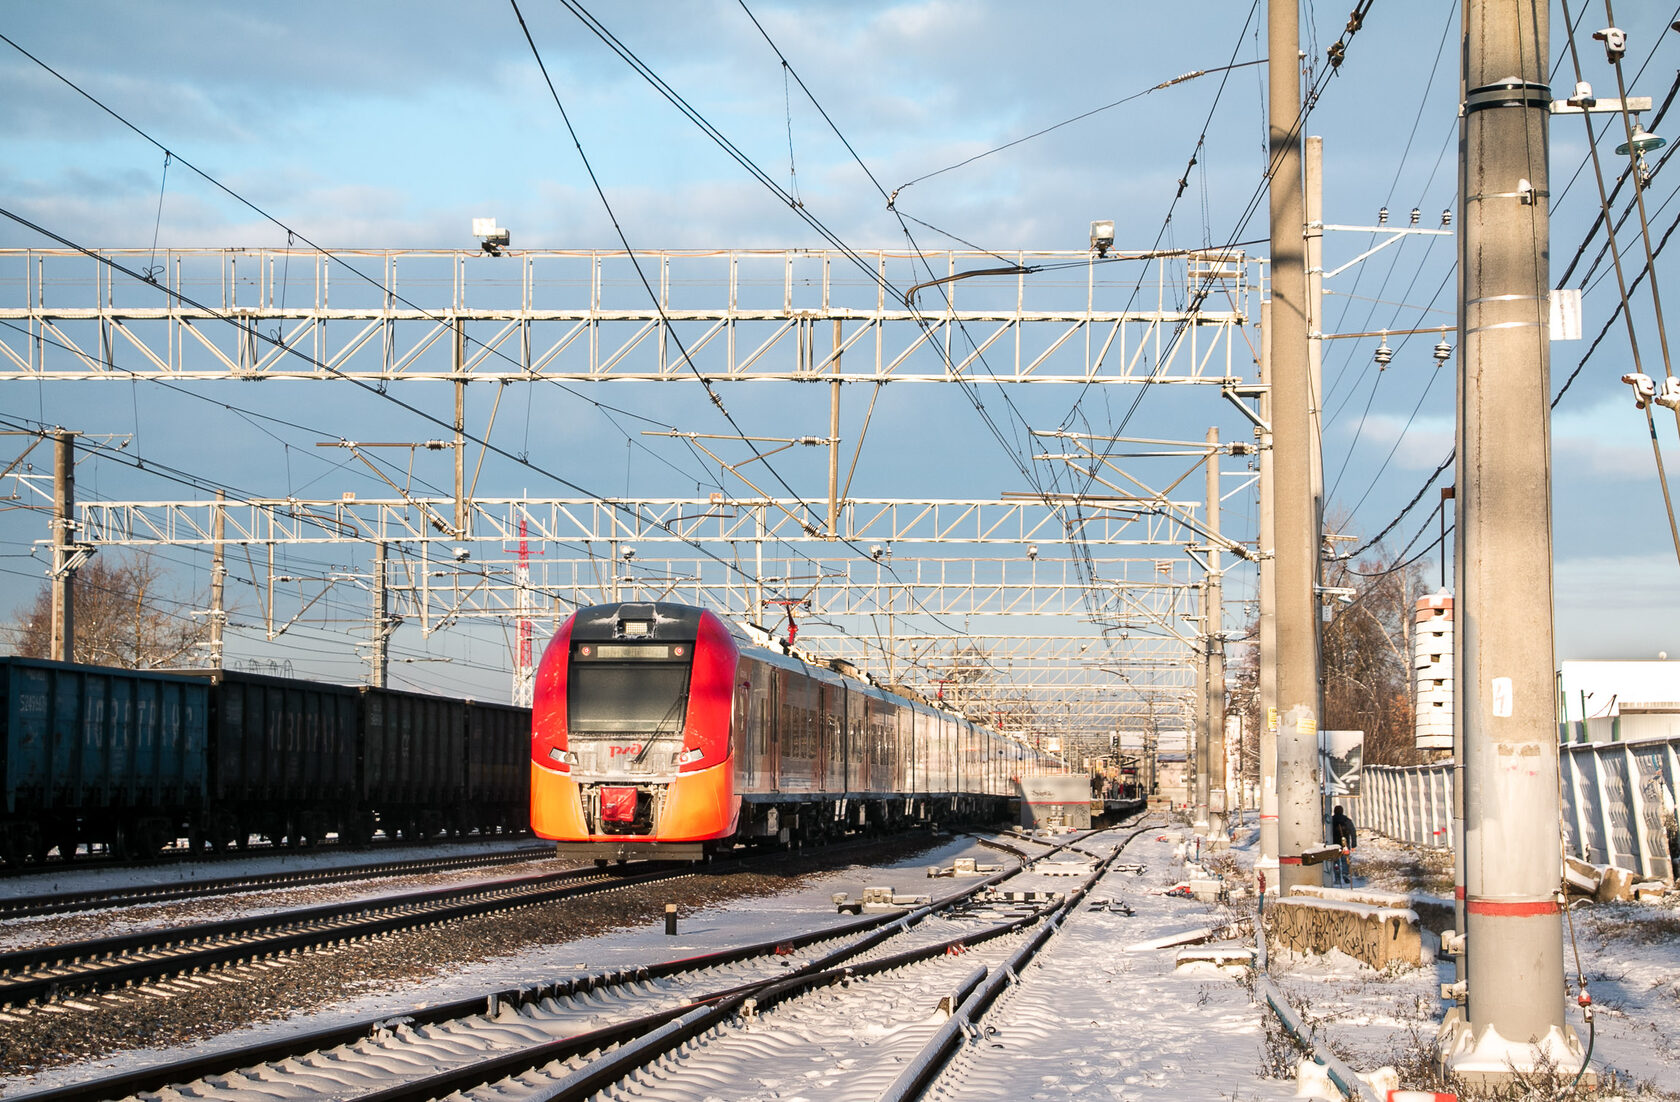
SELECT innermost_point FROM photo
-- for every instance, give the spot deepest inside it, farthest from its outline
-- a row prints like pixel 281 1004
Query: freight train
pixel 658 730
pixel 135 760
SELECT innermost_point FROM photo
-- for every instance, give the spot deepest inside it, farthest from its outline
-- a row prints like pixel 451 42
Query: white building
pixel 1625 700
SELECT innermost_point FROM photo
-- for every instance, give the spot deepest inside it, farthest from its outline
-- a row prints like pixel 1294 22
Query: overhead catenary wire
pixel 291 233
pixel 1615 255
pixel 1082 116
pixel 717 136
pixel 1586 357
pixel 1014 451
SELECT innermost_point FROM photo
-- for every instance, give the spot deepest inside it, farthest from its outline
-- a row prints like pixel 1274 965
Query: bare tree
pixel 1367 658
pixel 124 616
pixel 1366 664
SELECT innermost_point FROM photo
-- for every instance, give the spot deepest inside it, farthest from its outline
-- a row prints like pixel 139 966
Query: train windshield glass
pixel 612 697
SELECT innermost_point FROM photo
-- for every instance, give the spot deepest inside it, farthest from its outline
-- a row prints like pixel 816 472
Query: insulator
pixel 1446 217
pixel 1382 217
pixel 1442 351
pixel 1416 214
pixel 1384 354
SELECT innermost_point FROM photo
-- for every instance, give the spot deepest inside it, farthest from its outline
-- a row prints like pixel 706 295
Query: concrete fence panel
pixel 1618 803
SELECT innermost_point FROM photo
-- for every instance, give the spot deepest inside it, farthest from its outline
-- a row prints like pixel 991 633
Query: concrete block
pixel 1582 877
pixel 1615 886
pixel 1649 892
pixel 1370 896
pixel 1225 960
pixel 1377 936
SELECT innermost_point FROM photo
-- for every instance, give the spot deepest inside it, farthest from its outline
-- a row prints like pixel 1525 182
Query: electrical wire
pixel 1182 78
pixel 1615 254
pixel 255 334
pixel 718 137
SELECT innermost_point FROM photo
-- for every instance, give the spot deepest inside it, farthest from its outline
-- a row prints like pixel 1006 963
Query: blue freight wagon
pixel 97 755
pixel 284 762
pixel 134 760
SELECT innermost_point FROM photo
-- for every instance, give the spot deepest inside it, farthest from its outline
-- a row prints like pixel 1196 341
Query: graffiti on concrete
pixel 1377 936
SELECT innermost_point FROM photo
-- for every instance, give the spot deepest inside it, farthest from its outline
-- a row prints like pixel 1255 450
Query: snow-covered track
pixel 54 972
pixel 144 894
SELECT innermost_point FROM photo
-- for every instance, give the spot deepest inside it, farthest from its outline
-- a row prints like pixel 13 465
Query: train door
pixel 857 741
pixel 833 707
pixel 740 746
pixel 776 728
pixel 797 766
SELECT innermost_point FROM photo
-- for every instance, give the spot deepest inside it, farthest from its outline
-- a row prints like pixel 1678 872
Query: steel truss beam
pixel 394 314
pixel 580 522
pixel 441 590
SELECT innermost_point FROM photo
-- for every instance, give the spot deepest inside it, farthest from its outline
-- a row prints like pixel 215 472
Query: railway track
pixel 682 1022
pixel 180 854
pixel 144 894
pixel 60 972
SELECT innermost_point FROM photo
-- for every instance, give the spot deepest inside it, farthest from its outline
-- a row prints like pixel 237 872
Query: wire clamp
pixel 1615 43
pixel 1644 388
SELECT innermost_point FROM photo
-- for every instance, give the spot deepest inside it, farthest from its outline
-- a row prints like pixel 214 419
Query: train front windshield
pixel 626 703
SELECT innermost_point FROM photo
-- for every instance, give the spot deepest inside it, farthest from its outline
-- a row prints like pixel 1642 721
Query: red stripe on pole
pixel 1513 910
pixel 1289 860
pixel 1458 892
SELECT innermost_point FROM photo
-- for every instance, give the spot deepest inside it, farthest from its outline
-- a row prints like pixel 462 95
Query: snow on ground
pixel 27 933
pixel 1629 953
pixel 1101 1015
pixel 762 920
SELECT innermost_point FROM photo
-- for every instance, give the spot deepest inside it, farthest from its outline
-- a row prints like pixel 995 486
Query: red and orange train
pixel 661 731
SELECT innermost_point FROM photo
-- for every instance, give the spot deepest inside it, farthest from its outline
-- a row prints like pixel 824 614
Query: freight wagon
pixel 136 759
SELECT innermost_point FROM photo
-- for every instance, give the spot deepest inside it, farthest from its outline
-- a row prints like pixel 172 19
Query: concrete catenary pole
pixel 1505 703
pixel 1312 175
pixel 1267 863
pixel 218 577
pixel 379 659
pixel 1197 734
pixel 834 441
pixel 458 355
pixel 63 643
pixel 1213 713
pixel 1295 508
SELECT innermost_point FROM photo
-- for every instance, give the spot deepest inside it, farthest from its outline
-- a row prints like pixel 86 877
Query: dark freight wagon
pixel 135 760
pixel 413 760
pixel 284 761
pixel 498 767
pixel 91 754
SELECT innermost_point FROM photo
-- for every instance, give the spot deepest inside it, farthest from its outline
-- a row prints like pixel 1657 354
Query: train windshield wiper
pixel 670 717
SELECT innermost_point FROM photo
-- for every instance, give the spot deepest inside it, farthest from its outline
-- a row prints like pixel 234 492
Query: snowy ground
pixel 1629 953
pixel 1102 1015
pixel 88 925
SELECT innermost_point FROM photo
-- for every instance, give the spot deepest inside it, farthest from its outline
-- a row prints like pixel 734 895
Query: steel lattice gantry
pixel 444 314
pixel 731 522
pixel 391 315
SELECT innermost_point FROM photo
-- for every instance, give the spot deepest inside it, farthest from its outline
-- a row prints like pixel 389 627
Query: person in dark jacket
pixel 1342 834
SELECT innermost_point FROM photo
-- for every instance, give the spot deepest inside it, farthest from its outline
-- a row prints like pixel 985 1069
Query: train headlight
pixel 688 757
pixel 564 757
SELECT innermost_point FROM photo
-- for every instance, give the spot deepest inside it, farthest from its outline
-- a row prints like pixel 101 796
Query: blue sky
pixel 391 125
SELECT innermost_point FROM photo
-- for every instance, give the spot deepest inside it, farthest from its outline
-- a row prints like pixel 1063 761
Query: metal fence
pixel 1618 803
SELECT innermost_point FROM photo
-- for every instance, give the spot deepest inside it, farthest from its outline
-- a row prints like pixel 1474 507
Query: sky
pixel 392 126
